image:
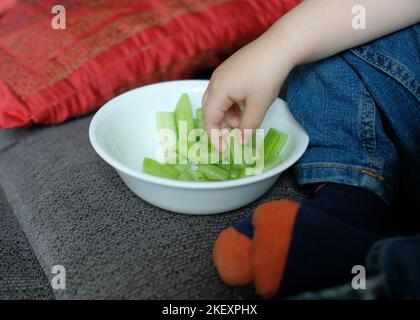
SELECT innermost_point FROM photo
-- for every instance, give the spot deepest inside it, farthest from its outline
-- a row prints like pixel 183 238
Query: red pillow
pixel 6 5
pixel 108 46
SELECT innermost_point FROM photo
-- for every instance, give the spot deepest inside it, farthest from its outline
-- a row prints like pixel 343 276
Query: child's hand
pixel 312 31
pixel 250 78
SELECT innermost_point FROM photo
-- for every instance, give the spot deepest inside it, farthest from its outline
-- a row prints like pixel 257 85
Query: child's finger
pixel 251 118
pixel 204 99
pixel 233 116
pixel 215 107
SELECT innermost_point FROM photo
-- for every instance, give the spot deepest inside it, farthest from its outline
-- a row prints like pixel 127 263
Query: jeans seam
pixel 386 195
pixel 367 131
pixel 344 167
pixel 367 109
pixel 402 75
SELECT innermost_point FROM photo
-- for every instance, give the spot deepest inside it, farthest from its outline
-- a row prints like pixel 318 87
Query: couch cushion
pixel 21 276
pixel 76 212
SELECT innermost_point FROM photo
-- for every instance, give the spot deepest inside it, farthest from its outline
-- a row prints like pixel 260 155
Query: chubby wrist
pixel 279 50
pixel 287 40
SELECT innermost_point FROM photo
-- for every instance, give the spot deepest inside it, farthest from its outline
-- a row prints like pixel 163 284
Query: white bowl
pixel 123 132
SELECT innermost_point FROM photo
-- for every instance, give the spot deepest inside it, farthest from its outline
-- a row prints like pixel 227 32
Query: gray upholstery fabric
pixel 76 212
pixel 21 276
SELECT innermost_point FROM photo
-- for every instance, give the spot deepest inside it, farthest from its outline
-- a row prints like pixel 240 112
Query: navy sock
pixel 353 205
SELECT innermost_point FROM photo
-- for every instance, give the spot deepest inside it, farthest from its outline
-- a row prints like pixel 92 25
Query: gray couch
pixel 60 204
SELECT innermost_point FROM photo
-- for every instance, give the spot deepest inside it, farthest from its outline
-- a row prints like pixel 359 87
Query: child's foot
pixel 232 254
pixel 289 247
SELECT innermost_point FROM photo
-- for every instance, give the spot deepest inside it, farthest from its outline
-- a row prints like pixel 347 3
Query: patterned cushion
pixel 48 75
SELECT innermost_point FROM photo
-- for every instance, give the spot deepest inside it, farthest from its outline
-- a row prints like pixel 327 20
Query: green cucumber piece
pixel 186 176
pixel 234 173
pixel 200 118
pixel 158 169
pixel 183 112
pixel 214 172
pixel 166 120
pixel 272 163
pixel 224 166
pixel 185 123
pixel 242 173
pixel 273 143
pixel 198 175
pixel 181 167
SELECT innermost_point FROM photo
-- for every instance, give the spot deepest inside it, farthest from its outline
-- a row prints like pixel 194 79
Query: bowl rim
pixel 107 107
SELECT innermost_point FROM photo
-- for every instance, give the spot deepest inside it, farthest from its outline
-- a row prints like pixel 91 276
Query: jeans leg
pixel 374 290
pixel 361 109
pixel 397 261
pixel 348 144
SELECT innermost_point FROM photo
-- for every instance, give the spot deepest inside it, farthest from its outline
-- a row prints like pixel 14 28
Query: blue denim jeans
pixel 361 110
pixel 395 266
pixel 397 262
